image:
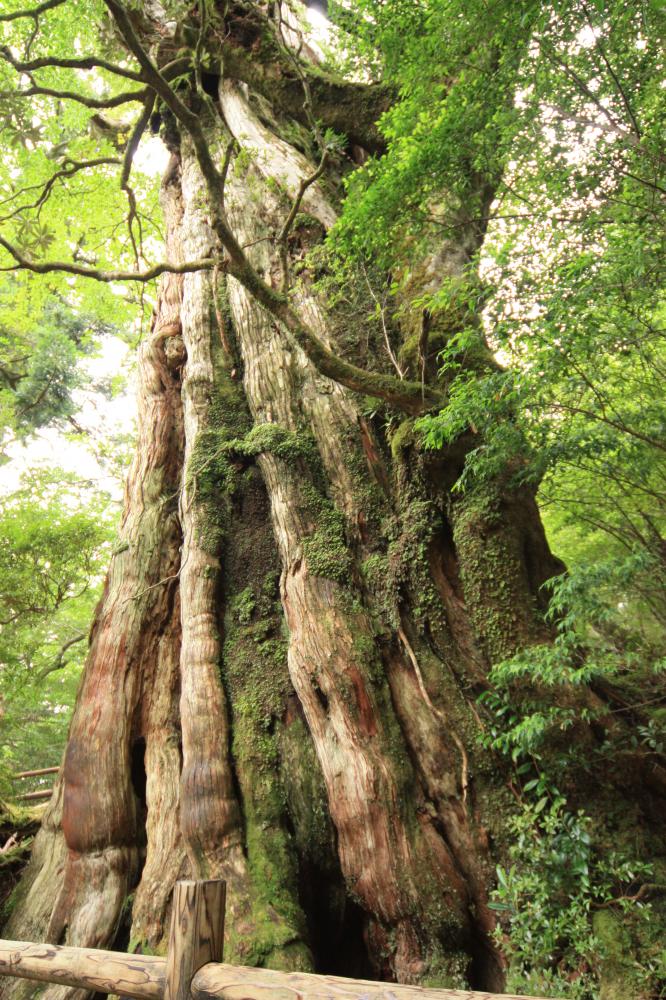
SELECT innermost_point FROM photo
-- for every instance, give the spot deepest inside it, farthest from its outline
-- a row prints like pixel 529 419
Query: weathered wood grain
pixel 197 933
pixel 139 976
pixel 237 983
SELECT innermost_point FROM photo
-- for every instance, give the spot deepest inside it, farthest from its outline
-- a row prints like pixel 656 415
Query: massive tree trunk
pixel 282 679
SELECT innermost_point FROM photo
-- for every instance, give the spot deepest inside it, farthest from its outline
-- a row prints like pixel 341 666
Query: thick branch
pixel 152 75
pixel 351 109
pixel 412 397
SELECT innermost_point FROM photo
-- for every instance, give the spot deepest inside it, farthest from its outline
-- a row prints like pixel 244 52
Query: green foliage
pixel 574 259
pixel 530 128
pixel 62 157
pixel 454 65
pixel 599 639
pixel 560 880
pixel 54 543
pixel 548 896
pixel 554 110
pixel 40 360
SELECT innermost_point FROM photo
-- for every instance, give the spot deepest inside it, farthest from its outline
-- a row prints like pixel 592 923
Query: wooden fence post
pixel 196 935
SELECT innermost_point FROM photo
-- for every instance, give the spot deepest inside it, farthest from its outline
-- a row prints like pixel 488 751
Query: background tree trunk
pixel 283 669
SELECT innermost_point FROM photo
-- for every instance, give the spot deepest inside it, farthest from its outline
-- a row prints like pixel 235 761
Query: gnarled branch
pixel 69 95
pixel 125 185
pixel 70 168
pixel 59 661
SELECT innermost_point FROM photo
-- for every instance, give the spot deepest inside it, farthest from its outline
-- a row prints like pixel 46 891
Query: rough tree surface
pixel 283 670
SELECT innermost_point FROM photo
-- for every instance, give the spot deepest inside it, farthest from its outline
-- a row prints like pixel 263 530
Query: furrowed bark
pixel 78 899
pixel 210 816
pixel 158 720
pixel 211 820
pixel 365 767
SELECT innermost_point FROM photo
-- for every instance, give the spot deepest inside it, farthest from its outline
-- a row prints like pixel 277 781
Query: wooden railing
pixel 191 970
pixel 40 793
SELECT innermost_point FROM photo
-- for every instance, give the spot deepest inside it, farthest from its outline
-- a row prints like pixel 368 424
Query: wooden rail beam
pixel 35 774
pixel 44 793
pixel 233 982
pixel 139 976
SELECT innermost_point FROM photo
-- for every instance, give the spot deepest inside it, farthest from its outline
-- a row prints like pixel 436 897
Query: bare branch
pixel 33 12
pixel 66 267
pixel 284 234
pixel 68 95
pixel 70 168
pixel 551 54
pixel 644 181
pixel 59 662
pixel 85 63
pixel 618 425
pixel 125 186
pixel 381 306
pixel 231 148
pixel 620 89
